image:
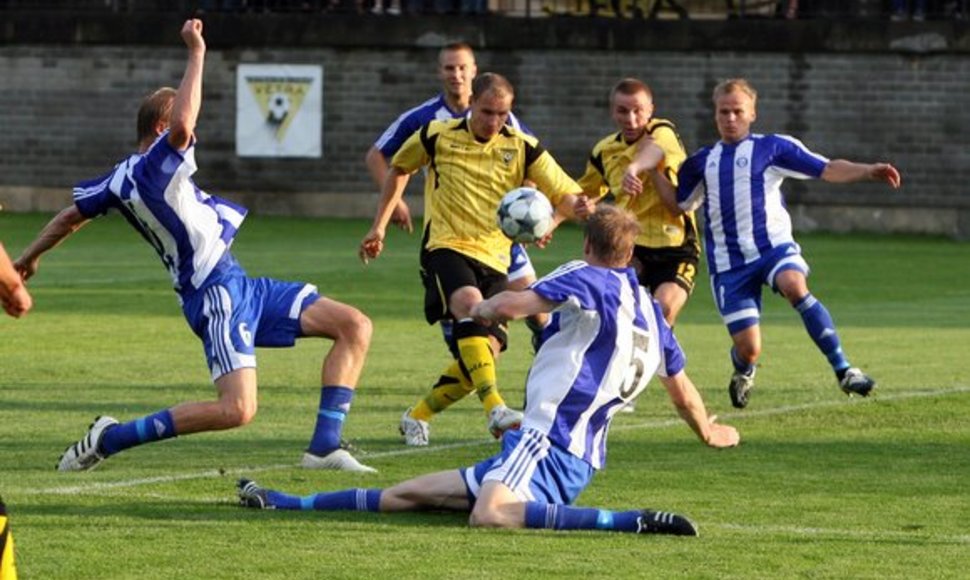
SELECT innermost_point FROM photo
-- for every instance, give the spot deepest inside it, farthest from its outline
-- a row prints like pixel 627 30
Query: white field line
pixel 95 487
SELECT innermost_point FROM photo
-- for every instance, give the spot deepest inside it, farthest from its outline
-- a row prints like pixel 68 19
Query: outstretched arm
pixel 13 294
pixel 649 156
pixel 511 305
pixel 188 98
pixel 373 243
pixel 842 171
pixel 65 223
pixel 691 408
pixel 377 166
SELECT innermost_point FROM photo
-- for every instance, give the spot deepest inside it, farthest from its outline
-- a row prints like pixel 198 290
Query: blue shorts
pixel 521 265
pixel 737 292
pixel 534 469
pixel 233 314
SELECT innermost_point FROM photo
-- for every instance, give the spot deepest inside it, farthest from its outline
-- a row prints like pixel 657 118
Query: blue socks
pixel 739 365
pixel 143 430
pixel 361 500
pixel 820 326
pixel 334 406
pixel 561 517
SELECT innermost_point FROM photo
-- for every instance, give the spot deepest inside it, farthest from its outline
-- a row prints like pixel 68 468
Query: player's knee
pixel 356 328
pixel 748 352
pixel 488 518
pixel 362 326
pixel 237 412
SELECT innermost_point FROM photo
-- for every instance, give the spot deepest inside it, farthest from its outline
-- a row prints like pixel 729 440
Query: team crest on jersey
pixel 507 155
pixel 742 162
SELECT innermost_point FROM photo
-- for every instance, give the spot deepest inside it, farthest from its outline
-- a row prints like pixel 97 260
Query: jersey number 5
pixel 636 375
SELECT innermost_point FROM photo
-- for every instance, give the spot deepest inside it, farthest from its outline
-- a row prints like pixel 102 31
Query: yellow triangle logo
pixel 279 99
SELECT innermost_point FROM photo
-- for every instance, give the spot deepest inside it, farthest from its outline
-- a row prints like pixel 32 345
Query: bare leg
pixel 235 407
pixel 350 331
pixel 497 507
pixel 441 490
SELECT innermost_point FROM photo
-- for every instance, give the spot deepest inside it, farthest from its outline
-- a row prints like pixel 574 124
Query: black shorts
pixel 444 271
pixel 656 266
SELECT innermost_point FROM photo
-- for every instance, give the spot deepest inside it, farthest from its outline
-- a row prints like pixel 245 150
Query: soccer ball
pixel 525 215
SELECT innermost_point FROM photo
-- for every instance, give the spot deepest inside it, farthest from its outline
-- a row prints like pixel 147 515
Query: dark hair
pixel 611 233
pixel 154 108
pixel 489 81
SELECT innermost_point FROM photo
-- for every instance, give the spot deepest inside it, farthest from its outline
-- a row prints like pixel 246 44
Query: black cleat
pixel 252 496
pixel 856 382
pixel 740 388
pixel 651 522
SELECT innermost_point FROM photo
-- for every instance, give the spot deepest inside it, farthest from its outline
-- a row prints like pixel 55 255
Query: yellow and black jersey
pixel 604 174
pixel 467 179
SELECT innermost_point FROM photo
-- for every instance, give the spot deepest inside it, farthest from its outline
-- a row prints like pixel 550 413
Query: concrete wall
pixel 867 90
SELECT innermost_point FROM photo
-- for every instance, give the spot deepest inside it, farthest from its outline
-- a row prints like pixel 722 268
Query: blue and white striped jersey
pixel 604 342
pixel 154 191
pixel 739 186
pixel 434 109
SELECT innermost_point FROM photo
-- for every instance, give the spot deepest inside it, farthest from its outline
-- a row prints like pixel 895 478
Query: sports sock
pixel 334 406
pixel 818 322
pixel 562 517
pixel 452 386
pixel 478 362
pixel 361 500
pixel 741 366
pixel 138 432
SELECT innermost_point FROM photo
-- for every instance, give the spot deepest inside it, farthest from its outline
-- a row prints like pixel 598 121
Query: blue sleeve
pixel 567 281
pixel 793 155
pixel 395 135
pixel 160 164
pixel 674 359
pixel 93 196
pixel 691 175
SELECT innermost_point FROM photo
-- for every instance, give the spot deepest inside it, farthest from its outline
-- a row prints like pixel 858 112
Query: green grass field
pixel 821 487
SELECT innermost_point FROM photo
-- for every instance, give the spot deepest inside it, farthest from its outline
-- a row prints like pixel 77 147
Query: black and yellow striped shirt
pixel 604 174
pixel 467 179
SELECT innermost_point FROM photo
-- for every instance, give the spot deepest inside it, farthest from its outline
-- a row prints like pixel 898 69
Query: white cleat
pixel 83 455
pixel 339 459
pixel 502 419
pixel 415 431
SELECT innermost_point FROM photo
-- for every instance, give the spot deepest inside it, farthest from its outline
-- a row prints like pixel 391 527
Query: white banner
pixel 279 110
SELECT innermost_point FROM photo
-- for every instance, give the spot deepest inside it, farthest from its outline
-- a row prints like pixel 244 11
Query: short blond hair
pixel 154 108
pixel 611 233
pixel 733 86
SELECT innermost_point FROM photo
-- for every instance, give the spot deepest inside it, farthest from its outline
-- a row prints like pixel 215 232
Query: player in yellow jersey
pixel 471 162
pixel 666 252
pixel 8 570
pixel 667 249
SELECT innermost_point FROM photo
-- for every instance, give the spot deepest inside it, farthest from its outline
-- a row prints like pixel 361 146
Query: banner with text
pixel 279 110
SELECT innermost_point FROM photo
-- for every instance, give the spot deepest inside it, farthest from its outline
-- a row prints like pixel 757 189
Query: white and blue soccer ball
pixel 525 215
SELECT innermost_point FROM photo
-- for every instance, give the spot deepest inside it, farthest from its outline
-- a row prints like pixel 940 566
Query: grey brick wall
pixel 67 112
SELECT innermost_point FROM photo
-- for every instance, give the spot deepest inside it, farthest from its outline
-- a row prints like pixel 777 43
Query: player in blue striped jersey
pixel 456 70
pixel 232 313
pixel 607 337
pixel 748 232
